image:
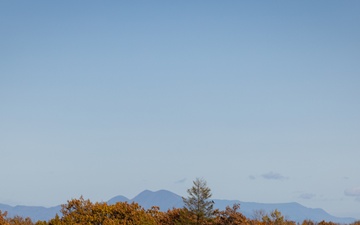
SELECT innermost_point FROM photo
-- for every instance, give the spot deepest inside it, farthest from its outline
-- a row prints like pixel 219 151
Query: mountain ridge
pixel 167 200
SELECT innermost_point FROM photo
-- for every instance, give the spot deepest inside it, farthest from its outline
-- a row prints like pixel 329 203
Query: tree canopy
pixel 198 209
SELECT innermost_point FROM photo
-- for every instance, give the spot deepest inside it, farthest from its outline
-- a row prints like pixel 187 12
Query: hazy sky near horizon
pixel 106 98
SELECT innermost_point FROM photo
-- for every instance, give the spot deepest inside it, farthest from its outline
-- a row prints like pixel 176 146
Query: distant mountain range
pixel 167 200
pixel 34 212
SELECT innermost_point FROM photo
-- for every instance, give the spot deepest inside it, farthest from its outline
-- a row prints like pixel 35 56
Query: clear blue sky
pixel 105 98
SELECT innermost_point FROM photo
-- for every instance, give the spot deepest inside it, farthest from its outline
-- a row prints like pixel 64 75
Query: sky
pixel 107 98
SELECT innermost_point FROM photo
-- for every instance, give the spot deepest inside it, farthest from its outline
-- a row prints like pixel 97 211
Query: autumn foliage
pixel 84 212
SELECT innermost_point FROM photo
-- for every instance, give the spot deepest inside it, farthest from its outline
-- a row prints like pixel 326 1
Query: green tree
pixel 198 202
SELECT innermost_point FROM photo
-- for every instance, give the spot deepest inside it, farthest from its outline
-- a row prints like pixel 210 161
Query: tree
pixel 81 211
pixel 198 202
pixel 3 216
pixel 230 215
pixel 276 218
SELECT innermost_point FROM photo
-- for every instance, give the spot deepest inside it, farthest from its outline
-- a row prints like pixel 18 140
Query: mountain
pixel 168 200
pixel 118 198
pixel 292 211
pixel 34 212
pixel 164 199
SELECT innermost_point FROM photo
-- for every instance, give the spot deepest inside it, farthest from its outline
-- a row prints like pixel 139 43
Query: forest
pixel 197 210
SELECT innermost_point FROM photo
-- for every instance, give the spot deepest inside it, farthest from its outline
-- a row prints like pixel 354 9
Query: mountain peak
pixel 168 200
pixel 116 199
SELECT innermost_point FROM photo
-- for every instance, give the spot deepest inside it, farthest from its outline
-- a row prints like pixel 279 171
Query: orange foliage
pixel 81 212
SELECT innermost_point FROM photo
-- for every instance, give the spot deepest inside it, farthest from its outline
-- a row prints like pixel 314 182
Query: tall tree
pixel 198 202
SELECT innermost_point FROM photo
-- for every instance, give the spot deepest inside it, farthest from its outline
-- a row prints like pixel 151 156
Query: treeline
pixel 197 210
pixel 81 212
